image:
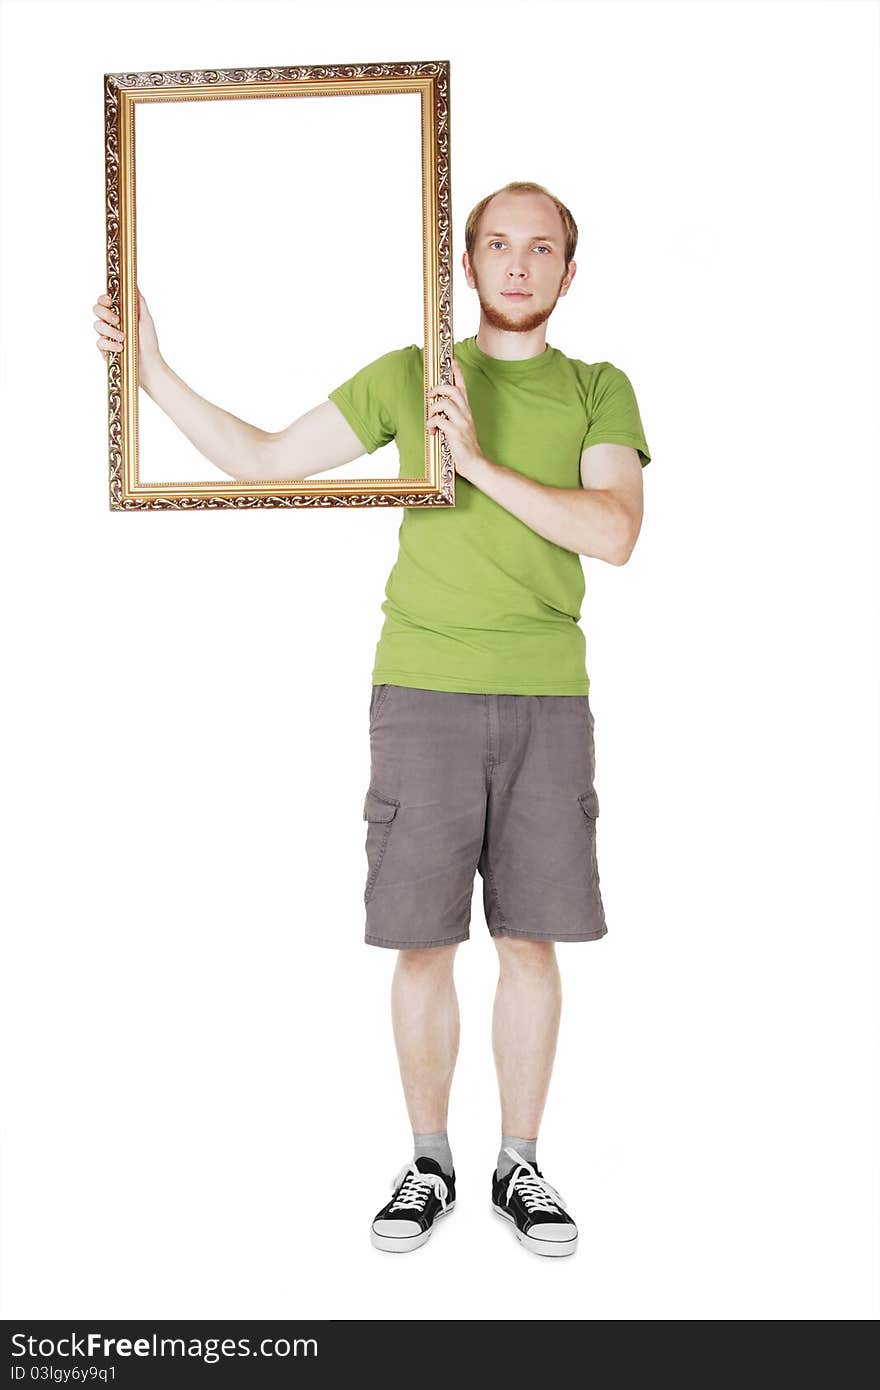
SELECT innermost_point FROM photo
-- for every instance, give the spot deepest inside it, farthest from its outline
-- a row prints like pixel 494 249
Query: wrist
pixel 150 370
pixel 475 467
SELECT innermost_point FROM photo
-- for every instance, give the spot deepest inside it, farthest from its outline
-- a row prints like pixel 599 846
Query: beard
pixel 523 324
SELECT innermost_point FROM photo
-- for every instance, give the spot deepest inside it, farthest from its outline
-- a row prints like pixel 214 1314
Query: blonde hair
pixel 568 222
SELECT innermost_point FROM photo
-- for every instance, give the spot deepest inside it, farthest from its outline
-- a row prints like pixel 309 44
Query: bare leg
pixel 424 1013
pixel 525 1026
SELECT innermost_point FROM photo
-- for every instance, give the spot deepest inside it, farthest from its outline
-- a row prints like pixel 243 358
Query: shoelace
pixel 416 1187
pixel 536 1192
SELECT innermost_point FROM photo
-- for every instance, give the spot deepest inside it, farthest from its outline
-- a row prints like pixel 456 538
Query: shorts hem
pixel 549 936
pixel 411 945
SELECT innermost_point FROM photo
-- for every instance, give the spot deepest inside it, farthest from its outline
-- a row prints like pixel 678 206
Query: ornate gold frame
pixel 121 93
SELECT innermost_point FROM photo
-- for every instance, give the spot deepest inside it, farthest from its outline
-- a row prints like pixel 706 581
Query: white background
pixel 261 224
pixel 201 1110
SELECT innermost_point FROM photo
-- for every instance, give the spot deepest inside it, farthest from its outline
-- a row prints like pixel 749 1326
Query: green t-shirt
pixel 477 600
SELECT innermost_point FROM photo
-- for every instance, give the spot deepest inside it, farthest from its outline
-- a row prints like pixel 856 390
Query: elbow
pixel 268 463
pixel 619 539
pixel 619 552
pixel 626 542
pixel 616 554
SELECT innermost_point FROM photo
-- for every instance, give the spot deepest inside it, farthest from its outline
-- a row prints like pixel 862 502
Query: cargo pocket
pixel 379 813
pixel 589 803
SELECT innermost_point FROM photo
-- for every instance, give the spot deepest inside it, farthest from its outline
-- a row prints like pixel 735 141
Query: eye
pixel 496 243
pixel 543 248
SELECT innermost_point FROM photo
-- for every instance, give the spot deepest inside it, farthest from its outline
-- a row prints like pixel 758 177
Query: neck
pixel 510 347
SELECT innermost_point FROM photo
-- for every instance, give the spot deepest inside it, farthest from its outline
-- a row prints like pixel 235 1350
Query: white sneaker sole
pixel 400 1245
pixel 539 1247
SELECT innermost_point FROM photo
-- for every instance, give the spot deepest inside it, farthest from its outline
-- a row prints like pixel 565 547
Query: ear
pixel 569 276
pixel 468 273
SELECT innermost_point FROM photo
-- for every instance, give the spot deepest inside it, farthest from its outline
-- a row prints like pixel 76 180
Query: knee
pixel 529 957
pixel 431 962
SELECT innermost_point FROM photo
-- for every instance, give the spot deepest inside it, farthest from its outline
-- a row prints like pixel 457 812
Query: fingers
pixel 446 414
pixel 109 344
pixel 454 389
pixel 448 404
pixel 111 337
pixel 452 405
pixel 105 311
pixel 449 392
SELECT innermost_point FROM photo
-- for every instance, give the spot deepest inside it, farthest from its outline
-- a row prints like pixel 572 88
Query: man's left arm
pixel 601 519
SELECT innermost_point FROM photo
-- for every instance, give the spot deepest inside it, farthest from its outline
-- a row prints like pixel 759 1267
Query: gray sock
pixel 434 1146
pixel 525 1147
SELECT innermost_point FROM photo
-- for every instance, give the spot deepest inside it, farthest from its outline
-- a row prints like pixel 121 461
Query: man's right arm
pixel 315 442
pixel 319 440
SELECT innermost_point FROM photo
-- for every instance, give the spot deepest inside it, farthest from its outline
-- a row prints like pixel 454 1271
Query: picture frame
pixel 137 100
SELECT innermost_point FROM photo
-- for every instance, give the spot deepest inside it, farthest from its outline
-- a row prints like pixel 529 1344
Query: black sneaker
pixel 422 1194
pixel 535 1209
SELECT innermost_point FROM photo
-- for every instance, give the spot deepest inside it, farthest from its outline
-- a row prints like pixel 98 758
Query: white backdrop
pixel 259 224
pixel 197 1043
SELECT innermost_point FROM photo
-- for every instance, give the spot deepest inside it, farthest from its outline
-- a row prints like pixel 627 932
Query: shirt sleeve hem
pixel 615 437
pixel 370 443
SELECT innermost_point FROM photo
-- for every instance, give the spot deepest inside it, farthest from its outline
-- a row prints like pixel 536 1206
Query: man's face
pixel 518 263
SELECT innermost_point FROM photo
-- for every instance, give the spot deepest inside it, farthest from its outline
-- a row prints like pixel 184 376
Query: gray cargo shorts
pixel 502 784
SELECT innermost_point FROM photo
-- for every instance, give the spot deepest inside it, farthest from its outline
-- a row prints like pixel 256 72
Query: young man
pixel 481 732
pixel 482 751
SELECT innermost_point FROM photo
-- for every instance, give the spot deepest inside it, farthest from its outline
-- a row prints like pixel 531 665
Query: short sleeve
pixel 614 413
pixel 369 400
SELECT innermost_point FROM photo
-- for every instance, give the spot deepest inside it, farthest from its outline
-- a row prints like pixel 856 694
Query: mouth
pixel 516 294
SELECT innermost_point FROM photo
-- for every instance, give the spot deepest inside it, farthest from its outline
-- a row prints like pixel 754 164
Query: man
pixel 482 751
pixel 481 732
